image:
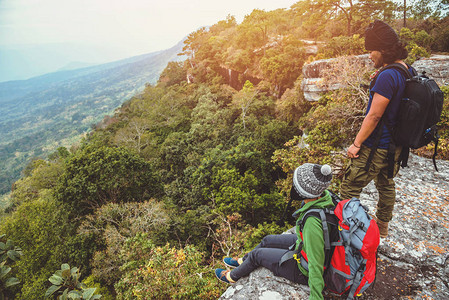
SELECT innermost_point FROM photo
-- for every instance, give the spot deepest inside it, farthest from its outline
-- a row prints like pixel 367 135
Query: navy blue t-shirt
pixel 390 84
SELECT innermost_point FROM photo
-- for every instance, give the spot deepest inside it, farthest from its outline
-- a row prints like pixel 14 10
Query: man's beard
pixel 379 63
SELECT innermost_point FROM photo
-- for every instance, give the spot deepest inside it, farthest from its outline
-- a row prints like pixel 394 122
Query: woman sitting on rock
pixel 310 182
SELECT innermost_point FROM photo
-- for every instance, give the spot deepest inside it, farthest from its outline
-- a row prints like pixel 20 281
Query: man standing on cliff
pixel 385 96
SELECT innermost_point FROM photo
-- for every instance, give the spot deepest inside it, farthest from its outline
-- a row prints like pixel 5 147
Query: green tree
pixel 173 156
pixel 174 73
pixel 209 123
pixel 96 176
pixel 136 135
pixel 42 176
pixel 422 9
pixel 232 192
pixel 193 44
pixel 258 26
pixel 343 46
pixel 244 100
pixel 345 8
pixel 322 18
pixel 292 105
pixel 368 10
pixel 283 65
pixel 243 162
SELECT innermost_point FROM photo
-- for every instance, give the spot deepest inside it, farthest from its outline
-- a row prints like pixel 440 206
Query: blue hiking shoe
pixel 221 275
pixel 231 262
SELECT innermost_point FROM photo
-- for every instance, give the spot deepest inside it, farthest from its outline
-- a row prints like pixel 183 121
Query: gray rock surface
pixel 436 67
pixel 314 85
pixel 413 260
pixel 311 47
pixel 263 285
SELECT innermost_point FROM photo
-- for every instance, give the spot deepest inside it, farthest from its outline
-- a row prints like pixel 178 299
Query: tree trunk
pixel 405 13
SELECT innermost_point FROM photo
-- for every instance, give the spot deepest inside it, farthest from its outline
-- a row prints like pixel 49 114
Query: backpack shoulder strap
pixel 401 68
pixel 327 217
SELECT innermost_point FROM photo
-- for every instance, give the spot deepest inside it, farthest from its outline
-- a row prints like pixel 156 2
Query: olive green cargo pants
pixel 356 178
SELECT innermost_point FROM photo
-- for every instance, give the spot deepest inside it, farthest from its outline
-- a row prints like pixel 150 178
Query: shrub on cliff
pixel 418 44
pixel 165 272
pixel 112 224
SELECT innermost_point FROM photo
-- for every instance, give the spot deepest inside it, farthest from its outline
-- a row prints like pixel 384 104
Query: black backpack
pixel 419 112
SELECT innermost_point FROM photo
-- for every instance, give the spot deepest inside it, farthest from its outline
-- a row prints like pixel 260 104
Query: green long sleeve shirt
pixel 313 246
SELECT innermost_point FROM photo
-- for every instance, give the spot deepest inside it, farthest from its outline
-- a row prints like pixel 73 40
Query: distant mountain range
pixel 45 112
pixel 75 65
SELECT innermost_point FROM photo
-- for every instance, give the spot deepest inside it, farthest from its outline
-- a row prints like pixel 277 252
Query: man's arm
pixel 370 122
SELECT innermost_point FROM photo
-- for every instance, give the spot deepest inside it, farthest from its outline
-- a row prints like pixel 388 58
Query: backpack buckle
pixel 298 259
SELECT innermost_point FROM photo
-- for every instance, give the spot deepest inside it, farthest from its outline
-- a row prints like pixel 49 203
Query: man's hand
pixel 352 151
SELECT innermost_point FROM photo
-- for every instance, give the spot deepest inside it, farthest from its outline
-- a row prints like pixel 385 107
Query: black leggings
pixel 268 254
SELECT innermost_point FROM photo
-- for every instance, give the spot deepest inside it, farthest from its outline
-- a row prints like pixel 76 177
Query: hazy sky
pixel 111 29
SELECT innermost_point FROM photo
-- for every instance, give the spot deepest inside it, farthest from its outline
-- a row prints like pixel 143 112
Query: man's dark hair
pixel 398 51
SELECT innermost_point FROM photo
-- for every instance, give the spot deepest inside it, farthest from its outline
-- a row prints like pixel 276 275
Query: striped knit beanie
pixel 310 180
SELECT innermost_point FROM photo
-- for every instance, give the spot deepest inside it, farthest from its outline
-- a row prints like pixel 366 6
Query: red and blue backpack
pixel 351 239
